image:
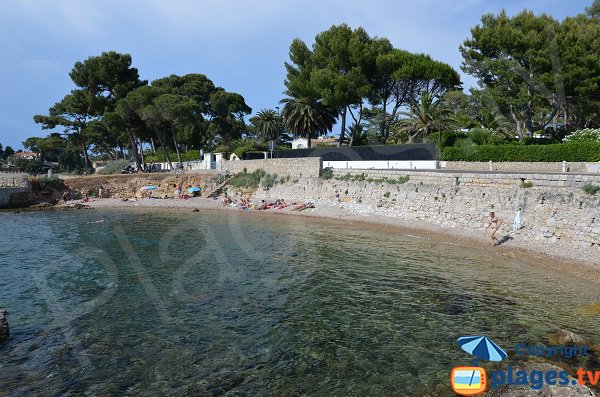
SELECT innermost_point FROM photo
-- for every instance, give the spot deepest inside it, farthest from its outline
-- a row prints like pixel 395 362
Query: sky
pixel 241 45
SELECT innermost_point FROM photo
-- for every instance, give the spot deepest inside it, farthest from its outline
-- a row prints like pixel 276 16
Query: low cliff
pixel 128 186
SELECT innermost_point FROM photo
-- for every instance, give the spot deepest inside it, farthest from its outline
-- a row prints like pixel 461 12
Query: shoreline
pixel 565 263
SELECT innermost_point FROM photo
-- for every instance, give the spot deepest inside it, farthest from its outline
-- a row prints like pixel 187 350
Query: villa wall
pixel 303 166
pixel 556 211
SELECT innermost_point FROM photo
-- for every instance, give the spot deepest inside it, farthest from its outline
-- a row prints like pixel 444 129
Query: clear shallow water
pixel 180 304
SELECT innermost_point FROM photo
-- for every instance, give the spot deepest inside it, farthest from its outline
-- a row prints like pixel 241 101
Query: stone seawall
pixel 518 166
pixel 555 210
pixel 14 187
pixel 305 166
pixel 477 179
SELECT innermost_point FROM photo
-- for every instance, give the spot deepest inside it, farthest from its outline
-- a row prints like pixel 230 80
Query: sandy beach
pixel 524 251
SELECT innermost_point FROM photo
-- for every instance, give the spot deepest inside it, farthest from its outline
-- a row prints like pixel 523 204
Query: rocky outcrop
pixel 128 186
pixel 4 332
pixel 569 390
pixel 565 337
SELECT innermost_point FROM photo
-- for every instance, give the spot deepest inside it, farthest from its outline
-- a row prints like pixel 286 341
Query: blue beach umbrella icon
pixel 482 348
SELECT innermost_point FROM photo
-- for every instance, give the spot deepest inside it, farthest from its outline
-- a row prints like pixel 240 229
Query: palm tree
pixel 266 124
pixel 356 135
pixel 307 117
pixel 425 116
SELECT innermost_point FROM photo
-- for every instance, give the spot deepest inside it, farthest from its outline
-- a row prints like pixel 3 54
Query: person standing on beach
pixel 100 192
pixel 495 224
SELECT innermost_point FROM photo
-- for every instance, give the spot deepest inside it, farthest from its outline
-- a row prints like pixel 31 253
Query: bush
pixel 479 136
pixel 448 138
pixel 45 183
pixel 114 167
pixel 327 173
pixel 526 185
pixel 573 151
pixel 591 189
pixel 252 180
pixel 219 178
pixel 268 181
pixel 585 135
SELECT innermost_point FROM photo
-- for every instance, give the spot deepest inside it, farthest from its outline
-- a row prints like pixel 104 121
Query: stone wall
pixel 517 166
pixel 479 179
pixel 12 179
pixel 305 166
pixel 555 211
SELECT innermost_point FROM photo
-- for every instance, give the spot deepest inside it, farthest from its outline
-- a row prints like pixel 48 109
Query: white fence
pixel 383 165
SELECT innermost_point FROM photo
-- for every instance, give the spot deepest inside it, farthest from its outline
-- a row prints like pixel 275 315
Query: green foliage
pixel 219 178
pixel 267 124
pixel 30 166
pixel 448 138
pixel 426 115
pixel 253 179
pixel 268 181
pixel 591 189
pixel 45 183
pixel 587 135
pixel 114 167
pixel 327 173
pixel 575 151
pixel 386 194
pixel 514 59
pixel 362 177
pixel 307 117
pixel 526 185
pixel 479 136
pixel 246 179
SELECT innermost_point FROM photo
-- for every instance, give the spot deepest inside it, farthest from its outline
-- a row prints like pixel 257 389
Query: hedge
pixel 574 151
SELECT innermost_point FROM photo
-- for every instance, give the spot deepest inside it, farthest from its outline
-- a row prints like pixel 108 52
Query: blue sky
pixel 239 44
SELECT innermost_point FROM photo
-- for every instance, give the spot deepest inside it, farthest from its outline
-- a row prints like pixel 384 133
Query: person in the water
pixel 495 224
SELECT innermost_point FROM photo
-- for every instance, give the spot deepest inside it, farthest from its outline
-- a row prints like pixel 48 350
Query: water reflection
pixel 181 304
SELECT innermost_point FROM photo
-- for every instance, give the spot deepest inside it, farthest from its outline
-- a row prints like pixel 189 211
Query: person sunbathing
pixel 303 207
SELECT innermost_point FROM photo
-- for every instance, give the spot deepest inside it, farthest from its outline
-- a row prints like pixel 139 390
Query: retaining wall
pixel 556 212
pixel 456 178
pixel 307 166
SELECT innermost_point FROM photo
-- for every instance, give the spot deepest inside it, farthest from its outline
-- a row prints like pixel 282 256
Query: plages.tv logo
pixel 471 380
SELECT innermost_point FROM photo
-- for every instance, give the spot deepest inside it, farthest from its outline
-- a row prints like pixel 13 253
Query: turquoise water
pixel 209 303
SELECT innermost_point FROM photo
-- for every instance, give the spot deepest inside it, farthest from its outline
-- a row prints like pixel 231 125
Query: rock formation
pixel 4 333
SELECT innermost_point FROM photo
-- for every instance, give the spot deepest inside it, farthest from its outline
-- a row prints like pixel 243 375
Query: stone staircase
pixel 216 192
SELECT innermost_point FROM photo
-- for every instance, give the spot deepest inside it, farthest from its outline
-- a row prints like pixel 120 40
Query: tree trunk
pixel 517 123
pixel 134 148
pixel 153 147
pixel 142 153
pixel 86 159
pixel 383 129
pixel 161 139
pixel 308 140
pixel 343 129
pixel 175 142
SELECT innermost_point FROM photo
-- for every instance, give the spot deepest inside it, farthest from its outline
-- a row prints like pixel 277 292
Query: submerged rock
pixel 569 390
pixel 4 332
